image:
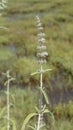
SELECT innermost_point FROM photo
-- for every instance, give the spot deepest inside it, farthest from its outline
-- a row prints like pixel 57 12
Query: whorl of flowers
pixel 42 53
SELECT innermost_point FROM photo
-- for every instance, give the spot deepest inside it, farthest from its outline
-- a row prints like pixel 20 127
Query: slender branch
pixel 7 83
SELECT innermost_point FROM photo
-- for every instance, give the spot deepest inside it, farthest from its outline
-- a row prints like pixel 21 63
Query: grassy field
pixel 18 49
pixel 18 44
pixel 24 101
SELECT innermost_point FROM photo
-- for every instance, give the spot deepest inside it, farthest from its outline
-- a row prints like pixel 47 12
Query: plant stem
pixel 8 104
pixel 41 104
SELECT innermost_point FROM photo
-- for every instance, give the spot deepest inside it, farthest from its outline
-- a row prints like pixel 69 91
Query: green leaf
pixel 13 122
pixel 45 95
pixel 43 108
pixel 51 115
pixel 37 109
pixel 27 120
pixel 33 128
pixel 5 84
pixel 2 112
pixel 13 98
pixel 49 112
pixel 11 79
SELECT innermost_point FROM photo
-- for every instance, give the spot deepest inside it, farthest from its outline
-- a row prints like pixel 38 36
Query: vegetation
pixel 19 109
pixel 20 41
pixel 18 49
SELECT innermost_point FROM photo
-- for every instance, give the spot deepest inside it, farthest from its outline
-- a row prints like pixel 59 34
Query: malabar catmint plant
pixel 41 58
pixel 7 84
pixel 3 5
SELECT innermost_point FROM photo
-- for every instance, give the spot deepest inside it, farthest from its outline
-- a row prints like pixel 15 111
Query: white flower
pixel 41 47
pixel 38 21
pixel 42 54
pixel 39 24
pixel 45 54
pixel 41 34
pixel 37 17
pixel 42 40
pixel 40 28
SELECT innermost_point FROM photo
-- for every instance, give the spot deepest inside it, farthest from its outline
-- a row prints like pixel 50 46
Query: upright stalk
pixel 40 104
pixel 8 104
pixel 7 83
pixel 41 77
pixel 41 55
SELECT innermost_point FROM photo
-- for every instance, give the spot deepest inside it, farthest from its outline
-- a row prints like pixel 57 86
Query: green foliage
pixel 45 95
pixel 27 120
pixel 2 111
pixel 70 108
pixel 63 125
pixel 27 66
pixel 17 106
pixel 5 54
pixel 43 111
pixel 64 110
pixel 56 17
pixel 29 116
pixel 13 123
pixel 49 113
pixel 4 40
pixel 18 113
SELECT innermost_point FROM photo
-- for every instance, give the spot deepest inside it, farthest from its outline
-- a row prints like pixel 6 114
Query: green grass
pixel 5 54
pixel 24 102
pixel 63 125
pixel 57 20
pixel 20 109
